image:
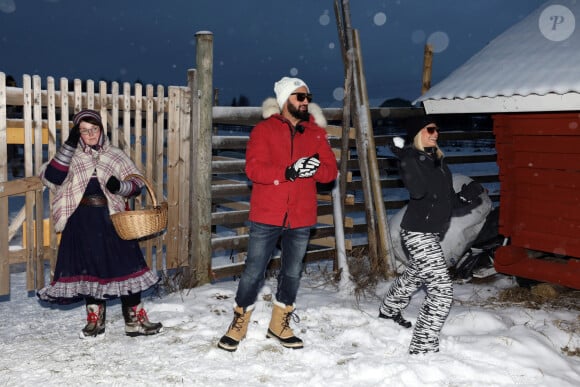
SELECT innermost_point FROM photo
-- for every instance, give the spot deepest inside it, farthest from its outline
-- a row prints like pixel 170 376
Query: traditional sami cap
pixel 84 114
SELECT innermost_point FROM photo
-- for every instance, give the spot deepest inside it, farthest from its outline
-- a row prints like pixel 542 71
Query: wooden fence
pixel 177 139
pixel 143 121
pixel 231 190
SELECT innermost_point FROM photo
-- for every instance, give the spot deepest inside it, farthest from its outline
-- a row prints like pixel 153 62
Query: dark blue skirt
pixel 93 261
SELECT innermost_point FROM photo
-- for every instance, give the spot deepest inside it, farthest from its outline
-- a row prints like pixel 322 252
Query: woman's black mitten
pixel 73 136
pixel 113 184
pixel 471 191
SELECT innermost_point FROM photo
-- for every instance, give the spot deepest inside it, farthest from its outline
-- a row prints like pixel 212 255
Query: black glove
pixel 113 184
pixel 73 136
pixel 303 167
pixel 291 174
pixel 470 192
pixel 309 167
pixel 292 171
pixel 467 207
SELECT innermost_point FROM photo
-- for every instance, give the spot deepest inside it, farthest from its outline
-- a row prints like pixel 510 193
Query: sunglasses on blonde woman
pixel 432 129
pixel 301 96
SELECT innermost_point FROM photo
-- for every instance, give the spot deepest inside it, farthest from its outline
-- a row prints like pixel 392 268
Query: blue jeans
pixel 263 239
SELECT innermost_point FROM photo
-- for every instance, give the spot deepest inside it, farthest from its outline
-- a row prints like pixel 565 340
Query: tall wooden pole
pixel 361 143
pixel 4 262
pixel 427 68
pixel 201 251
pixel 373 167
pixel 346 124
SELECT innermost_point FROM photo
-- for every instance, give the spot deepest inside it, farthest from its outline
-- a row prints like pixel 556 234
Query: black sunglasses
pixel 300 96
pixel 432 129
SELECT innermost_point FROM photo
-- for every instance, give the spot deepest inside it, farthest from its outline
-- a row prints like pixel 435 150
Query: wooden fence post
pixel 51 105
pixel 201 160
pixel 173 140
pixel 38 201
pixel 194 125
pixel 4 213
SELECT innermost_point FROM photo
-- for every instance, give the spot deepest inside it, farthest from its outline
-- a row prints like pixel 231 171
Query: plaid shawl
pixel 108 161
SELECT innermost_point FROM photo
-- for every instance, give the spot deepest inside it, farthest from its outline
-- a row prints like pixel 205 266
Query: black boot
pixel 398 318
pixel 96 314
pixel 137 323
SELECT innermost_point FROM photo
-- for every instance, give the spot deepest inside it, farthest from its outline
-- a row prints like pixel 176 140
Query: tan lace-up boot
pixel 237 330
pixel 280 325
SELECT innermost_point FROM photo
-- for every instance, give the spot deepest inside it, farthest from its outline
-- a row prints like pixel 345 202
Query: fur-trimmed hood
pixel 270 107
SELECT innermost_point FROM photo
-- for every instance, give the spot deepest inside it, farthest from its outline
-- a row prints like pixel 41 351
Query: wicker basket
pixel 138 224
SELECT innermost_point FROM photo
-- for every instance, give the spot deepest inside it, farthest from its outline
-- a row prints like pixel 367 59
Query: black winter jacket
pixel 431 195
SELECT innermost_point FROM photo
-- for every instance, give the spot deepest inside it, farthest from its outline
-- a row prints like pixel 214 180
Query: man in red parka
pixel 287 154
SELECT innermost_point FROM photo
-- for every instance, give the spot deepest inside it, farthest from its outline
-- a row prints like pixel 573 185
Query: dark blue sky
pixel 256 42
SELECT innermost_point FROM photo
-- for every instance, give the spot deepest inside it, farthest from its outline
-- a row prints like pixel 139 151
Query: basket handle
pixel 147 185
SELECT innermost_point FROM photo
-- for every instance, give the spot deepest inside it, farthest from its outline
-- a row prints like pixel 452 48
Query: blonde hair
pixel 418 145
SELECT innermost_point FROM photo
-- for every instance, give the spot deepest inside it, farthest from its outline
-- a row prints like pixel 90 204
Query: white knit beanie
pixel 286 86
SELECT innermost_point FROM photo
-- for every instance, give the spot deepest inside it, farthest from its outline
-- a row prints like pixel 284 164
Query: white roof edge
pixel 505 104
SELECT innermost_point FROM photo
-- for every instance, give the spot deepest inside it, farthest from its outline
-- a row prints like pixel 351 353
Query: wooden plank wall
pixel 539 160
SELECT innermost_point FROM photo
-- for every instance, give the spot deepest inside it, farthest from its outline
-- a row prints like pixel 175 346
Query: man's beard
pixel 299 114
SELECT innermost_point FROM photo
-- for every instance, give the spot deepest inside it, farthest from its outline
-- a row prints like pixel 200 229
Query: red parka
pixel 274 145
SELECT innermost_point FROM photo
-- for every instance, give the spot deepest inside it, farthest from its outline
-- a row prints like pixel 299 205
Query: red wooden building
pixel 528 80
pixel 539 163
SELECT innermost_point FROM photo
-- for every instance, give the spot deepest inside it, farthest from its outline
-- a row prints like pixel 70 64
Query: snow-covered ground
pixel 483 343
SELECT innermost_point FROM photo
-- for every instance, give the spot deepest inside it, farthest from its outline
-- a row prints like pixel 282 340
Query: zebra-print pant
pixel 426 265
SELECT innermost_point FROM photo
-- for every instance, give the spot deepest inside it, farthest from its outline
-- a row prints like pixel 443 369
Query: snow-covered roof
pixel 533 66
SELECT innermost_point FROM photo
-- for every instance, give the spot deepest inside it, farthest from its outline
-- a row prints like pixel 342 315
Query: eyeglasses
pixel 90 131
pixel 301 96
pixel 432 129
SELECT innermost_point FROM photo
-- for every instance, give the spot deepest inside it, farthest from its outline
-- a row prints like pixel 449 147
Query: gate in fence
pixel 149 123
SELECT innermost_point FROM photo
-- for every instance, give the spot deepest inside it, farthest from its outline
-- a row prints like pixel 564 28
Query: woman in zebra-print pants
pixel 432 203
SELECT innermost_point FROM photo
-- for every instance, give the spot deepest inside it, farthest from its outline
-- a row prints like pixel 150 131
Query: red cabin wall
pixel 539 171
